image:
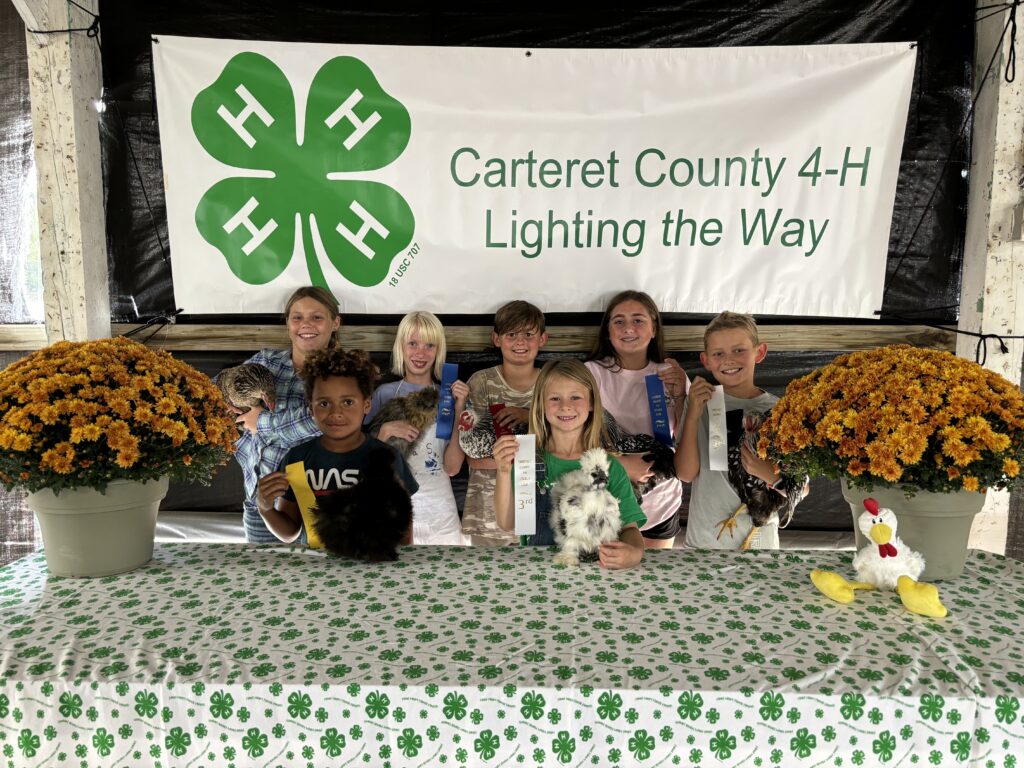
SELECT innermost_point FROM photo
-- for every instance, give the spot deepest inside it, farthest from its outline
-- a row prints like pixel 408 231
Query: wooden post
pixel 992 291
pixel 1015 520
pixel 65 85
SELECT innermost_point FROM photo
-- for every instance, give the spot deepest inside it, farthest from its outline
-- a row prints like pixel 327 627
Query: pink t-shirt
pixel 624 395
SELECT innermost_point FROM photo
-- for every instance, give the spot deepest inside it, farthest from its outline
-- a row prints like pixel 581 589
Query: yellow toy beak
pixel 880 533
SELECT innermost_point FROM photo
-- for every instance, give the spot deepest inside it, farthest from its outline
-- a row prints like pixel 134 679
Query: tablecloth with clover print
pixel 234 655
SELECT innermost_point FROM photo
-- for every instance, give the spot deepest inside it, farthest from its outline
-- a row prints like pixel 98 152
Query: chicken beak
pixel 881 533
pixel 268 403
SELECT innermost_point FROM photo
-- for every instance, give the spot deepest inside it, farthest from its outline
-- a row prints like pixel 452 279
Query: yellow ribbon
pixel 305 498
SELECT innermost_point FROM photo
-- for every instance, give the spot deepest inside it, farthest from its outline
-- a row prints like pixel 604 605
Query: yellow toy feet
pixel 920 598
pixel 834 586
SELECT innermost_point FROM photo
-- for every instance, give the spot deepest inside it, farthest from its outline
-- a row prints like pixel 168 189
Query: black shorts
pixel 666 529
pixel 670 527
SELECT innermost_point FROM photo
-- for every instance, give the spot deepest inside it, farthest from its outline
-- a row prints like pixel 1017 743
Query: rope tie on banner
pixel 980 349
pixel 156 323
pixel 93 30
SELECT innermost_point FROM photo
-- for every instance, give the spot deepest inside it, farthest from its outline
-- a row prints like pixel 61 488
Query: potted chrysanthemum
pixel 93 431
pixel 921 430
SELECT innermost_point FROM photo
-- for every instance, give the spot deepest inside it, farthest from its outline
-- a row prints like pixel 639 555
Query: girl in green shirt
pixel 567 419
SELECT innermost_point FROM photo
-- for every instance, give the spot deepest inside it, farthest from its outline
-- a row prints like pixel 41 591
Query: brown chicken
pixel 248 385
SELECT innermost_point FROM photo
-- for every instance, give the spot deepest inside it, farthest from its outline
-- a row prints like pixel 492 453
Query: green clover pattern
pixel 242 655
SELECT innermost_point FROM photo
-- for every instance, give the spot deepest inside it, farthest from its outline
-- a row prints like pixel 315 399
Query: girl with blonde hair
pixel 418 357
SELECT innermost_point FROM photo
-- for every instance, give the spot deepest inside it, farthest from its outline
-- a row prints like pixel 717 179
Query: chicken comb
pixel 871 506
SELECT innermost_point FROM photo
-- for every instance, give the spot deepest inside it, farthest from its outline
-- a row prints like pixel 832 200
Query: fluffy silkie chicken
pixel 584 513
pixel 368 520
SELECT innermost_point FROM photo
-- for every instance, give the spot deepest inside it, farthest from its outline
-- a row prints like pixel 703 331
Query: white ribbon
pixel 524 492
pixel 718 440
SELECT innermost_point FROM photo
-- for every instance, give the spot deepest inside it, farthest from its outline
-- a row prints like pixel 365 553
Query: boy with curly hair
pixel 339 386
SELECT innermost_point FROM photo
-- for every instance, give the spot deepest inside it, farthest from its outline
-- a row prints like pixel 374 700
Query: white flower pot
pixel 935 524
pixel 88 533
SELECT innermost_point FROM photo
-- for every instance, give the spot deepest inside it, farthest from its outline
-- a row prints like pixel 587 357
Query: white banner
pixel 456 179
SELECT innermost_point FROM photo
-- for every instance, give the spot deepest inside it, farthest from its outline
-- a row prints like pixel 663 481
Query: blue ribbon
pixel 660 420
pixel 446 403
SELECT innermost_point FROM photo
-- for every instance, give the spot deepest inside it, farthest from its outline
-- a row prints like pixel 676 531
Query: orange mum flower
pixel 919 419
pixel 79 414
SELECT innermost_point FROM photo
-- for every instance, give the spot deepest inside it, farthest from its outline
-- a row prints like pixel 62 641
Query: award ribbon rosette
pixel 660 418
pixel 718 436
pixel 446 403
pixel 524 500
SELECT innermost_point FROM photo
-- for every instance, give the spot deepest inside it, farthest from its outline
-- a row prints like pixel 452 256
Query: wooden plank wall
pixel 678 338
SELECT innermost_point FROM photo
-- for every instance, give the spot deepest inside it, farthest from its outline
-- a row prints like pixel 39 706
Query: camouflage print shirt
pixel 486 388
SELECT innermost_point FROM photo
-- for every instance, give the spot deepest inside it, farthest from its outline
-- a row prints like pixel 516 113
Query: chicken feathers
pixel 418 409
pixel 761 500
pixel 248 385
pixel 366 521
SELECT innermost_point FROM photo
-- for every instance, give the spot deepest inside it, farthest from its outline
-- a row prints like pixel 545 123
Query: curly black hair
pixel 354 364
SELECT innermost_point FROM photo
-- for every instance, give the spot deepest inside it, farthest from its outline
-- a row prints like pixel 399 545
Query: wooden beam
pixel 65 84
pixel 22 338
pixel 679 338
pixel 33 13
pixel 992 284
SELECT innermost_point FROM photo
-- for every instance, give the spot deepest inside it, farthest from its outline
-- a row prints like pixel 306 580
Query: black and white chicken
pixel 653 450
pixel 757 498
pixel 476 432
pixel 584 513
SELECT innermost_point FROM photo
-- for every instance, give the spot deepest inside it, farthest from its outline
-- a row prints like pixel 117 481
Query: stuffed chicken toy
pixel 886 563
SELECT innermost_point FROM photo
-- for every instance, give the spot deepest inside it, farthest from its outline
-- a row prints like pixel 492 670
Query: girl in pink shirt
pixel 630 345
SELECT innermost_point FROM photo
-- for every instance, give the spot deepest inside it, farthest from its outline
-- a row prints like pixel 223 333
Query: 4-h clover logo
pixel 297 195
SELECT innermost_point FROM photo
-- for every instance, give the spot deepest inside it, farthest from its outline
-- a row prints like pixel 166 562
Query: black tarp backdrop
pixel 926 287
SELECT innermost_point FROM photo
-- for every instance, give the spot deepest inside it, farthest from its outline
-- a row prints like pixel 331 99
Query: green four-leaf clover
pixel 296 192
